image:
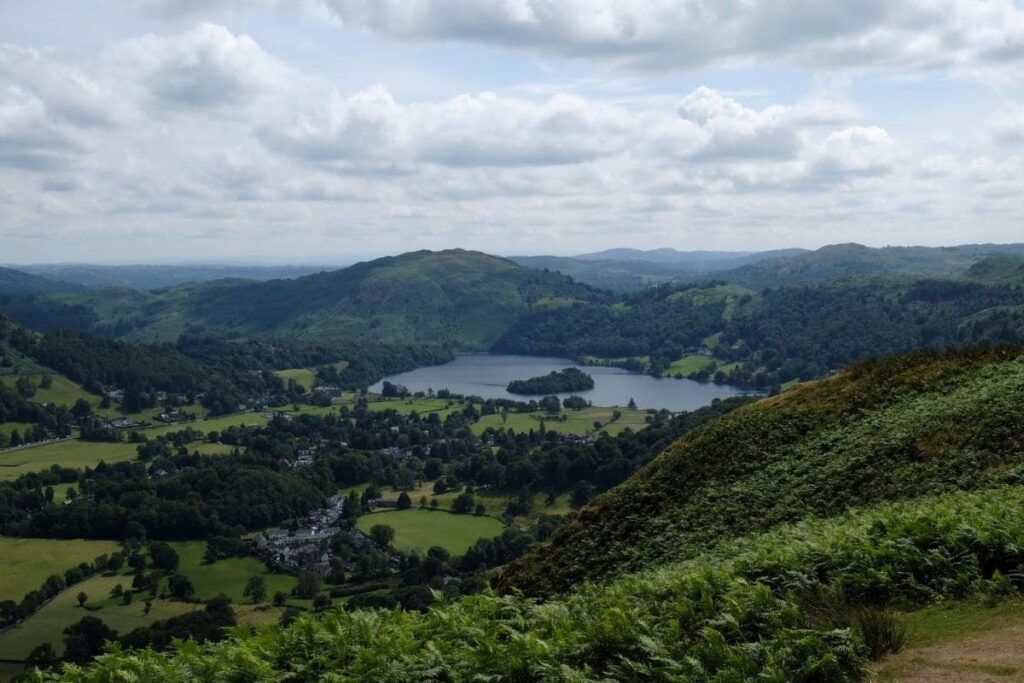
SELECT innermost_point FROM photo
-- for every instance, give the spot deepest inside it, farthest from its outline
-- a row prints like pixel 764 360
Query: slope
pixel 883 430
pixel 459 299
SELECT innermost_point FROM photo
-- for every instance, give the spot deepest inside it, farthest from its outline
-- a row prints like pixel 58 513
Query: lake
pixel 487 375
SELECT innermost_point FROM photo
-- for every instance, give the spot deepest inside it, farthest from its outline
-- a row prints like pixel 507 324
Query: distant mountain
pixel 458 299
pixel 671 256
pixel 156 277
pixel 998 269
pixel 850 260
pixel 629 270
pixel 19 282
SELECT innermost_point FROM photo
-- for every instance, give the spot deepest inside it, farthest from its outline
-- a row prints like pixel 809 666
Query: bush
pixel 882 631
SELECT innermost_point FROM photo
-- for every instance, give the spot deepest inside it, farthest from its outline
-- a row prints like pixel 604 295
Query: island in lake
pixel 556 382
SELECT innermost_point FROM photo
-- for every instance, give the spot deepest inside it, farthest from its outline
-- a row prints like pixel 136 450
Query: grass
pixel 576 422
pixel 423 406
pixel 26 562
pixel 225 576
pixel 688 364
pixel 62 392
pixel 942 626
pixel 7 427
pixel 419 530
pixel 70 453
pixel 47 625
pixel 80 454
pixel 306 377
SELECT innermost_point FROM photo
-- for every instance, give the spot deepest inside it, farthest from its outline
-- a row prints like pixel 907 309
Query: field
pixel 576 422
pixel 67 453
pixel 225 576
pixel 423 406
pixel 47 624
pixel 26 562
pixel 420 530
pixel 306 377
pixel 688 364
pixel 494 503
pixel 7 427
pixel 80 454
pixel 63 391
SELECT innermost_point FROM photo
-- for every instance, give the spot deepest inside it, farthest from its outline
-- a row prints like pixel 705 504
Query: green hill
pixel 998 269
pixel 883 430
pixel 17 282
pixel 460 299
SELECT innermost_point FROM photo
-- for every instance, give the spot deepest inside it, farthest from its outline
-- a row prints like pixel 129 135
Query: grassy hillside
pixel 455 298
pixel 17 282
pixel 882 430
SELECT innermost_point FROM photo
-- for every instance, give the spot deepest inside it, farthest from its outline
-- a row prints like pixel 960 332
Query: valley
pixel 725 421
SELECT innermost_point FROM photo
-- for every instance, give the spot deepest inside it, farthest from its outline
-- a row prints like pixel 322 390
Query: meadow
pixel 80 454
pixel 419 529
pixel 26 562
pixel 47 625
pixel 227 576
pixel 576 422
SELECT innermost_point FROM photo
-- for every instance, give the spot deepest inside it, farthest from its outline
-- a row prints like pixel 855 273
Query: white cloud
pixel 686 34
pixel 1008 123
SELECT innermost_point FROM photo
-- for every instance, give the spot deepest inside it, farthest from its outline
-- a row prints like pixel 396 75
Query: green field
pixel 7 427
pixel 63 391
pixel 68 453
pixel 306 377
pixel 225 576
pixel 26 562
pixel 47 625
pixel 419 530
pixel 80 454
pixel 443 407
pixel 576 422
pixel 687 364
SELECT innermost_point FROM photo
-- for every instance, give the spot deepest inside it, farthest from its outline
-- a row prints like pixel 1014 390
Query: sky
pixel 322 131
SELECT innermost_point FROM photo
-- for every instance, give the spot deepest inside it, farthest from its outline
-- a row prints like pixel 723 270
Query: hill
pixel 458 299
pixel 998 269
pixel 852 260
pixel 18 282
pixel 630 270
pixel 94 276
pixel 883 430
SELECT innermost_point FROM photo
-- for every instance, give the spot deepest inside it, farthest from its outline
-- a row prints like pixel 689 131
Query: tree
pixel 382 535
pixel 307 586
pixel 582 493
pixel 117 591
pixel 256 588
pixel 404 501
pixel 463 504
pixel 180 587
pixel 480 510
pixel 163 556
pixel 42 656
pixel 147 606
pixel 82 598
pixel 25 388
pixel 321 603
pixel 280 597
pixel 46 381
pixel 85 639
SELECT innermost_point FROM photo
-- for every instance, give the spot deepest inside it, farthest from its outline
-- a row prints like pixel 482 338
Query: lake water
pixel 487 375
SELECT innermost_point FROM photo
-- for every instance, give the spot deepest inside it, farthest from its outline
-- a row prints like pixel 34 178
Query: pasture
pixel 417 529
pixel 26 562
pixel 227 576
pixel 575 422
pixel 47 625
pixel 688 364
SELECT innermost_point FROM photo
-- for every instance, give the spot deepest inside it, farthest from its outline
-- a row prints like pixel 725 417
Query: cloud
pixel 857 151
pixel 207 67
pixel 1008 124
pixel 468 131
pixel 686 34
pixel 29 141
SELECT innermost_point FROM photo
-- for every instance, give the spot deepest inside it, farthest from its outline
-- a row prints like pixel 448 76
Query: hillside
pixel 851 260
pixel 998 269
pixel 154 277
pixel 459 299
pixel 18 282
pixel 883 430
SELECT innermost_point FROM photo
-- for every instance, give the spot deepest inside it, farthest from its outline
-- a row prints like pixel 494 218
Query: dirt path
pixel 995 656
